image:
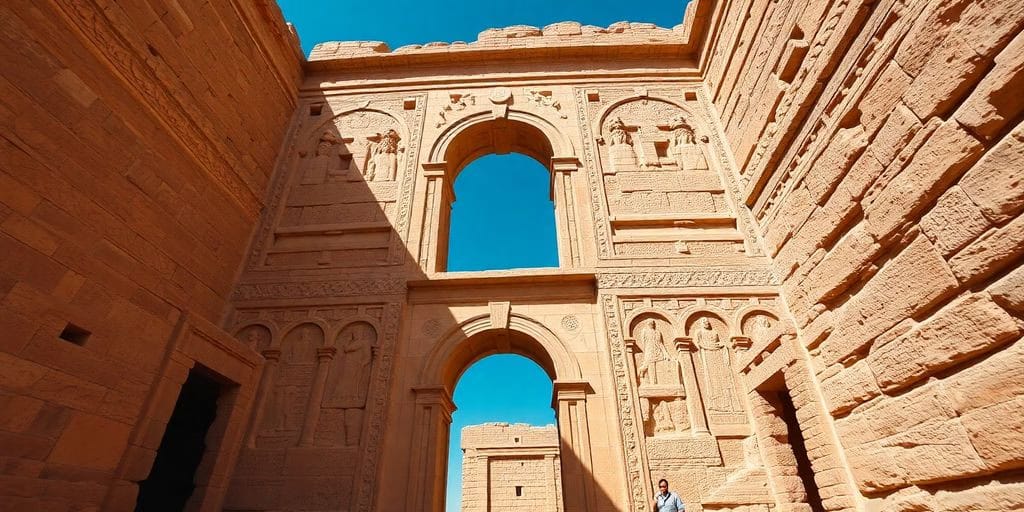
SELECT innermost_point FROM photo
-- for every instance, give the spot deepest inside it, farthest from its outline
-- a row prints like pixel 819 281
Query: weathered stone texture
pixel 124 206
pixel 909 298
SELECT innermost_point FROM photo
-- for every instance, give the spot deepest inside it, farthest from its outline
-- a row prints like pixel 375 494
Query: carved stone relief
pixel 348 188
pixel 716 369
pixel 284 407
pixel 349 381
pixel 255 336
pixel 662 198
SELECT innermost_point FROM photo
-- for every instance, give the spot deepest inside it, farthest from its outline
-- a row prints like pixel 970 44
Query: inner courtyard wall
pixel 880 146
pixel 137 141
pixel 510 467
pixel 815 200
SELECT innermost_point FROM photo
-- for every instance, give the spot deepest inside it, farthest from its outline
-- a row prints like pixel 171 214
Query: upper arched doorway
pixel 484 134
pixel 503 216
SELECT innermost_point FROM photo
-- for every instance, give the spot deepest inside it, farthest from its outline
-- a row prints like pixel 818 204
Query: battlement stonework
pixel 790 238
pixel 510 468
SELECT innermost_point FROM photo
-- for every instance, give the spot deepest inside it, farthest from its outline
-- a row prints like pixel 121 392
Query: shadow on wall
pixel 322 298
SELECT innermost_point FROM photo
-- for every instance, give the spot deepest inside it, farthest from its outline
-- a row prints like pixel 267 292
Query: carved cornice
pixel 319 289
pixel 700 277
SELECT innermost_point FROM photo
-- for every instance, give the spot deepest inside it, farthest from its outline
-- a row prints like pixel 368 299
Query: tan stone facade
pixel 510 468
pixel 789 235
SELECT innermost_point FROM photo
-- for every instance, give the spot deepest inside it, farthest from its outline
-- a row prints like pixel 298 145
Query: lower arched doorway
pixel 476 339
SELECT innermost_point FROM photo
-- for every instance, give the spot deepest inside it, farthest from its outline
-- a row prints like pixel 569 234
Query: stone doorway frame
pixel 500 332
pixel 499 131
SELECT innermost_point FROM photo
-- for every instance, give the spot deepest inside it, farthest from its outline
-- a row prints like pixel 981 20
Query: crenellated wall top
pixel 559 39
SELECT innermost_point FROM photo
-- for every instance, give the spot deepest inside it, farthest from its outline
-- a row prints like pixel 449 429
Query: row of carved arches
pixel 753 322
pixel 314 389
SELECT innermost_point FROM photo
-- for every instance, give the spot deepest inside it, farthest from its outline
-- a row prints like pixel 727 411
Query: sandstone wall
pixel 137 141
pixel 510 467
pixel 881 149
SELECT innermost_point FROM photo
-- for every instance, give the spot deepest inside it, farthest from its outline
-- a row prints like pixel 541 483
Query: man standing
pixel 666 501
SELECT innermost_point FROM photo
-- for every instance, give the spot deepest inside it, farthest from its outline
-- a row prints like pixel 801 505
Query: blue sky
pixel 402 22
pixel 502 217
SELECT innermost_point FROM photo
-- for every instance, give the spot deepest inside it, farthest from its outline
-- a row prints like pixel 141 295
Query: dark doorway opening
pixel 786 410
pixel 172 480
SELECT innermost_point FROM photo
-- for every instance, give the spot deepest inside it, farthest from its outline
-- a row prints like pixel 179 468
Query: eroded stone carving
pixel 717 372
pixel 349 379
pixel 285 406
pixel 545 99
pixel 382 157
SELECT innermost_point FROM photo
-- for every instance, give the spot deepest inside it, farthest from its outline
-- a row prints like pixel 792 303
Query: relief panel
pixel 656 189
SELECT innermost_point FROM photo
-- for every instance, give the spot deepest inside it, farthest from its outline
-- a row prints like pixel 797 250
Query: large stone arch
pixel 478 337
pixel 459 348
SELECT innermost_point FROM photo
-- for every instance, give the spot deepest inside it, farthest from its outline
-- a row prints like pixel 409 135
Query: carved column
pixel 433 246
pixel 564 197
pixel 695 396
pixel 273 358
pixel 428 459
pixel 574 445
pixel 324 356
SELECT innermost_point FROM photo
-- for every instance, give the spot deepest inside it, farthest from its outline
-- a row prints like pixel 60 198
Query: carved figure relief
pixel 715 361
pixel 761 330
pixel 256 337
pixel 456 103
pixel 683 146
pixel 623 156
pixel 652 343
pixel 663 200
pixel 545 99
pixel 382 157
pixel 663 419
pixel 285 406
pixel 349 378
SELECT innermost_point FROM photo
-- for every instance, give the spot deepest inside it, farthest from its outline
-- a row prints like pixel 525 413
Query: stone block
pixel 849 388
pixel 933 451
pixel 960 331
pixel 997 99
pixel 954 221
pixel 990 253
pixel 914 280
pixel 937 164
pixel 927 33
pixel 993 380
pixel 1008 292
pixel 886 418
pixel 996 183
pixel 950 73
pixel 990 25
pixel 883 94
pixel 91 441
pixel 997 433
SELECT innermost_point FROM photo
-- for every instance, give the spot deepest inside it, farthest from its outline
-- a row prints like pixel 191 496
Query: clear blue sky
pixel 502 217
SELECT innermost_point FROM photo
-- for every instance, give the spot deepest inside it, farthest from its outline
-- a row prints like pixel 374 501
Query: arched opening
pixel 476 339
pixel 508 187
pixel 503 216
pixel 508 456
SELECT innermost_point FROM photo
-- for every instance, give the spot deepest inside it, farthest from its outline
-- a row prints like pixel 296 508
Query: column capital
pixel 573 390
pixel 565 164
pixel 685 344
pixel 271 354
pixel 434 395
pixel 327 353
pixel 435 169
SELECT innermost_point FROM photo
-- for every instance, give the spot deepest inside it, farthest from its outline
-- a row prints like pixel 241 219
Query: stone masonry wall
pixel 881 149
pixel 137 141
pixel 499 458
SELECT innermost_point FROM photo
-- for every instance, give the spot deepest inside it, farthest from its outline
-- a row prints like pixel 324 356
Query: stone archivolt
pixel 789 251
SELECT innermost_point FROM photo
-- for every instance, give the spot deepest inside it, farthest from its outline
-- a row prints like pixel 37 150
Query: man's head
pixel 663 486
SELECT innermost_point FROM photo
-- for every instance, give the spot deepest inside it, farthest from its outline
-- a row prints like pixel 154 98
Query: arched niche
pixel 481 134
pixel 258 336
